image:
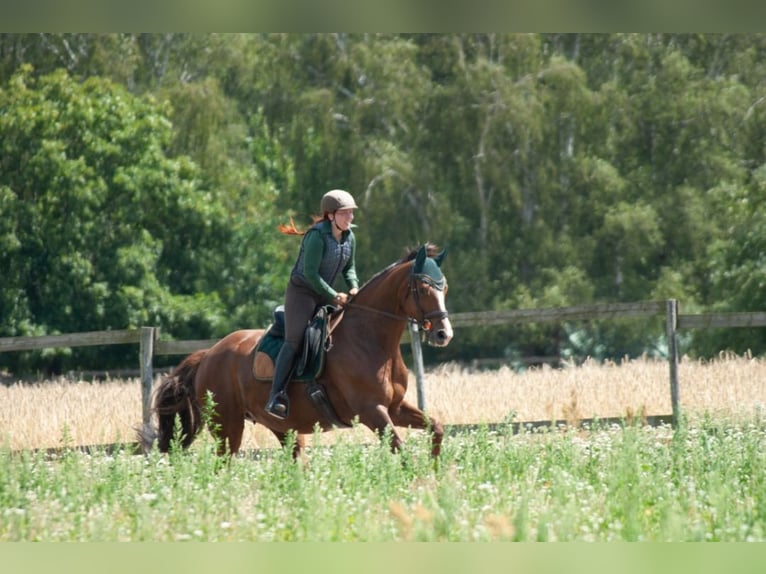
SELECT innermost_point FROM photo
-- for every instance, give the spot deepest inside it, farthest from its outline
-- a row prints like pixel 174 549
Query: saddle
pixel 311 357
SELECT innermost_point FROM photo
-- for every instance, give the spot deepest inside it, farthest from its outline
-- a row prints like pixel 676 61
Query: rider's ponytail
pixel 290 229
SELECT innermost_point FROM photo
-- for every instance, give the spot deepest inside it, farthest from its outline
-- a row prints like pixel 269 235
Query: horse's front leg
pixel 407 415
pixel 378 420
pixel 298 445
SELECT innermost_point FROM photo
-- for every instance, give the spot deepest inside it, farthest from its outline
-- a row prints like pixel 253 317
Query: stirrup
pixel 278 407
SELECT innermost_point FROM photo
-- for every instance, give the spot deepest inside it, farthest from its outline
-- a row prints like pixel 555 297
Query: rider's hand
pixel 341 298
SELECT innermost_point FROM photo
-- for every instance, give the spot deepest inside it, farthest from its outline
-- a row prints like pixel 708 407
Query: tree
pixel 103 229
pixel 560 169
pixel 113 56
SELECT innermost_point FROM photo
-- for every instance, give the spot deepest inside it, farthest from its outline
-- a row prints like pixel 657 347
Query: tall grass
pixel 706 482
pixel 703 481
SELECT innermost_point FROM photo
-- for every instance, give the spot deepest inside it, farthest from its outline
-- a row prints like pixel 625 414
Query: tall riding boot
pixel 278 405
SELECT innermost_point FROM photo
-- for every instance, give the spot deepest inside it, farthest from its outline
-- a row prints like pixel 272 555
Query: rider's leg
pixel 277 404
pixel 300 302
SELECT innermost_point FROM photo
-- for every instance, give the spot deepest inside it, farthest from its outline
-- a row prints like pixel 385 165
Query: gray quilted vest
pixel 336 255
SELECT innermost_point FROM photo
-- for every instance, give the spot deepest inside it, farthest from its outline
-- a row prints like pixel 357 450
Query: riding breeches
pixel 300 303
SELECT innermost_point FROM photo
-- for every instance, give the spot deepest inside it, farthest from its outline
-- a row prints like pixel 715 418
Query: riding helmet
pixel 336 199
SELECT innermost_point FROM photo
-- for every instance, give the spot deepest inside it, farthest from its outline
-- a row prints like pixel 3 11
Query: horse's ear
pixel 419 260
pixel 440 257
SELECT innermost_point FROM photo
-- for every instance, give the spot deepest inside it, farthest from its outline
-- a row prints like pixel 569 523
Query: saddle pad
pixel 270 345
pixel 263 367
pixel 266 353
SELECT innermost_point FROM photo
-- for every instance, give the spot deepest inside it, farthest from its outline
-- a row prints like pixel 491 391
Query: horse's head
pixel 428 288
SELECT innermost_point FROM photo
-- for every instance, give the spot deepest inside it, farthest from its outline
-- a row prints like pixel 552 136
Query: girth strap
pixel 317 395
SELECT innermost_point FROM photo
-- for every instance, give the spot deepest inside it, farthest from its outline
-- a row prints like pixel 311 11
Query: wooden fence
pixel 146 337
pixel 639 309
pixel 151 345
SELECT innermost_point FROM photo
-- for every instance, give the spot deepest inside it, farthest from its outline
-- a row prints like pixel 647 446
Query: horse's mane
pixel 410 253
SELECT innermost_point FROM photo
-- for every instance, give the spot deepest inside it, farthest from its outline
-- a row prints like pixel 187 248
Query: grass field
pixel 705 481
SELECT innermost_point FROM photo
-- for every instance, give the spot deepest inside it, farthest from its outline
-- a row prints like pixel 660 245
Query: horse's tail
pixel 175 396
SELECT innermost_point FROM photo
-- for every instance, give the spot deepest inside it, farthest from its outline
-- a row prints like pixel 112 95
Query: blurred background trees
pixel 142 177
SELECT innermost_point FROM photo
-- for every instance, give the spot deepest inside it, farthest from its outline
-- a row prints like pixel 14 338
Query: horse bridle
pixel 426 322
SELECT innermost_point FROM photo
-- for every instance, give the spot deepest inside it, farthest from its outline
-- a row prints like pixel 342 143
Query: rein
pixel 426 324
pixel 378 311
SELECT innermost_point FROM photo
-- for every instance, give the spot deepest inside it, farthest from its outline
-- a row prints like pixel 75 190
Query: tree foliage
pixel 142 175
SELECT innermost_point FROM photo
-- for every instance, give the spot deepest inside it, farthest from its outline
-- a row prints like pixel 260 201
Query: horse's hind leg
pixel 228 433
pixel 407 415
pixel 232 438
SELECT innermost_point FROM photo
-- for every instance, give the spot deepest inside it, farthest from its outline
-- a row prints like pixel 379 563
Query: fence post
pixel 147 377
pixel 672 335
pixel 417 359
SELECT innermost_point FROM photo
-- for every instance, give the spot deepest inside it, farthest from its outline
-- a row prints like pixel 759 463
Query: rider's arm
pixel 349 271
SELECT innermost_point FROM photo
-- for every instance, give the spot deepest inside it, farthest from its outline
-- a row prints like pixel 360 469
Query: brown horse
pixel 364 374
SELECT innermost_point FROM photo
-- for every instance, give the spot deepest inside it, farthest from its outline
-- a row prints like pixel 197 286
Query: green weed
pixel 704 481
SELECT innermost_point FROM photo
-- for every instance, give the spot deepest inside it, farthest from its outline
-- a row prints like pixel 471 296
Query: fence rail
pixel 182 347
pixel 602 311
pixel 711 320
pixel 91 338
pixel 151 345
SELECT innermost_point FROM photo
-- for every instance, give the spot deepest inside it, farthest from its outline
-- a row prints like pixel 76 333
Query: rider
pixel 327 249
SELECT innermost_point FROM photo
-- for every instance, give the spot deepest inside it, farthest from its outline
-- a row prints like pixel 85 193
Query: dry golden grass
pixel 48 414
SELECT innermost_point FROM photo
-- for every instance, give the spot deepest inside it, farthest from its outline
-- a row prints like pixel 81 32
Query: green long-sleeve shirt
pixel 321 257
